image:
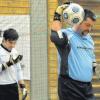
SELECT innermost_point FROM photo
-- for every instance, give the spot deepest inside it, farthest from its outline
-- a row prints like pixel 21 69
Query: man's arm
pixel 4 66
pixel 59 41
pixel 57 36
pixel 21 81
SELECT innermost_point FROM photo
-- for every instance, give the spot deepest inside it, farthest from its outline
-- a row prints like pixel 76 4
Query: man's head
pixel 10 38
pixel 88 22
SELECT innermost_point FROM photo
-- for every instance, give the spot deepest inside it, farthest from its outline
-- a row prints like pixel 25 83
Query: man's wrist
pixel 6 65
pixel 9 63
pixel 22 86
pixel 57 16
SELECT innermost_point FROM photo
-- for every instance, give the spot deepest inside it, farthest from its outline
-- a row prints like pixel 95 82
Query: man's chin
pixel 10 49
pixel 85 33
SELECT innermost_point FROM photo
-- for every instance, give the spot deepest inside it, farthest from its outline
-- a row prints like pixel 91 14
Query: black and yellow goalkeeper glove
pixel 59 10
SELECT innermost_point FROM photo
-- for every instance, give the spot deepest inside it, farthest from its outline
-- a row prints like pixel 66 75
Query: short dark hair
pixel 89 14
pixel 10 34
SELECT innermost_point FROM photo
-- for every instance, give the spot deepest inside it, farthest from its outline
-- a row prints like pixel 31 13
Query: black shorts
pixel 9 92
pixel 69 89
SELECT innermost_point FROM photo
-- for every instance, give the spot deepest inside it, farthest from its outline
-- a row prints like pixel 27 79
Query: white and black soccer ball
pixel 73 14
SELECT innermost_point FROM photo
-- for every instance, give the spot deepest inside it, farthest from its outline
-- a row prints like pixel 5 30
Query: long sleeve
pixel 19 71
pixel 58 39
pixel 0 67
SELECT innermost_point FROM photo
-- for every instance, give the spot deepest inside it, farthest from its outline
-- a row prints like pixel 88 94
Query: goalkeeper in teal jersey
pixel 75 56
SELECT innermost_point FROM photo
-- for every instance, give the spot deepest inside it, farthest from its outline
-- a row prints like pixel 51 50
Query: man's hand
pixel 24 93
pixel 59 10
pixel 57 25
pixel 19 58
pixel 12 61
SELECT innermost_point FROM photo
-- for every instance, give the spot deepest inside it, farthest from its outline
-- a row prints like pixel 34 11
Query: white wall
pixel 22 24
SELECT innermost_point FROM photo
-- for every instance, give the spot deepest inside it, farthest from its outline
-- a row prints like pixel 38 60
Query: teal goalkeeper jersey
pixel 81 56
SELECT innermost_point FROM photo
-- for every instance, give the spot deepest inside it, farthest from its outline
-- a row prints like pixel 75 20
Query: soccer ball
pixel 73 14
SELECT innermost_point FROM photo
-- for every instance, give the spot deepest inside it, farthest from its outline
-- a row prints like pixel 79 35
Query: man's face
pixel 9 44
pixel 86 26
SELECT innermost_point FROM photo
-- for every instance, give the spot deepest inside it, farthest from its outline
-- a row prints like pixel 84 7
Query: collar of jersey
pixel 79 35
pixel 5 48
